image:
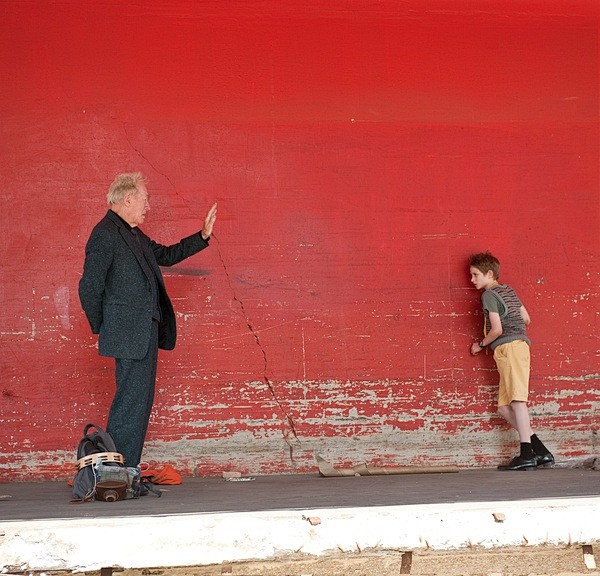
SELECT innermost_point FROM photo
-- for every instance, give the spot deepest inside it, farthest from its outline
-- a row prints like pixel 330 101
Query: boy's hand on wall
pixel 475 348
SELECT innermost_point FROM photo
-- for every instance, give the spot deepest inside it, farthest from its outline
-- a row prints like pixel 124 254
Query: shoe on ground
pixel 545 460
pixel 520 463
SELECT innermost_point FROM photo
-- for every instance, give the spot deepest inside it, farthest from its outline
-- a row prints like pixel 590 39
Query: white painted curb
pixel 214 538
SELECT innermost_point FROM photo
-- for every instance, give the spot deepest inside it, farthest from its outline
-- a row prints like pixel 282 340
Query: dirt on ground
pixel 536 561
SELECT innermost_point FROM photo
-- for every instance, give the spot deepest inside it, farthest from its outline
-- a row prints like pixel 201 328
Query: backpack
pixel 101 471
pixel 94 448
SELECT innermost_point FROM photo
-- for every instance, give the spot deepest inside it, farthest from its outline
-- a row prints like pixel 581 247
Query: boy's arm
pixel 525 315
pixel 495 332
pixel 495 328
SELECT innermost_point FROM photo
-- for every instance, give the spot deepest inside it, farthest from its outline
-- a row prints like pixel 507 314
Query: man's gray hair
pixel 122 185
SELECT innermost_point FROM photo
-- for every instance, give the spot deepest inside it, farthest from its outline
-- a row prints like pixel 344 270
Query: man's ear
pixel 490 274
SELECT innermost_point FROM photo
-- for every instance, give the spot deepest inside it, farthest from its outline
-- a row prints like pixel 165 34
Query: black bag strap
pixel 150 488
pixel 99 436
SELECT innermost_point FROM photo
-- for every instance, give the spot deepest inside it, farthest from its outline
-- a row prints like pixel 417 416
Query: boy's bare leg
pixel 507 413
pixel 522 422
pixel 513 414
pixel 517 415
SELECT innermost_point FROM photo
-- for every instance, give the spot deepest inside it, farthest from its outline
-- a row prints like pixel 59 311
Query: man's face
pixel 480 280
pixel 139 204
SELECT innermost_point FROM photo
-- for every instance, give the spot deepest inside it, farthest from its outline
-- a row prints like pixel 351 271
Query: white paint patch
pixel 62 300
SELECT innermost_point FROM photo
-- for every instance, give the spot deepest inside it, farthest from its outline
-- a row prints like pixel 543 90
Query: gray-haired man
pixel 123 295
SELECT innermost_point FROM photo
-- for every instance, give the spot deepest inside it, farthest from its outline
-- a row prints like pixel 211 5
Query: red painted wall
pixel 359 152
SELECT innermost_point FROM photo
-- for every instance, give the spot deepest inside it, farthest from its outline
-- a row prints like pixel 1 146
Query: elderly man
pixel 123 295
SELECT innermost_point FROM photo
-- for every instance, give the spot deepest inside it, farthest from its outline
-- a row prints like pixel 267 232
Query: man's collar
pixel 116 218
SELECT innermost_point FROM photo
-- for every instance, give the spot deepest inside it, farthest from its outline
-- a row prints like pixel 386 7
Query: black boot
pixel 524 461
pixel 543 456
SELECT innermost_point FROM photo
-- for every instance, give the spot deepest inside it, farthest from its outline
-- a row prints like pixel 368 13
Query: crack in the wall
pixel 288 417
pixel 266 378
pixel 145 159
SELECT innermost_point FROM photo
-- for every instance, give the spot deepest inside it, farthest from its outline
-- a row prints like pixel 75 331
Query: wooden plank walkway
pixel 47 500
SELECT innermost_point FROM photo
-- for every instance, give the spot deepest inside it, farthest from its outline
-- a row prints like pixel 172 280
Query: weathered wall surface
pixel 359 152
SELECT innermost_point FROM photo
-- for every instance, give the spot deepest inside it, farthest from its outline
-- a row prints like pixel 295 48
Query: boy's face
pixel 480 280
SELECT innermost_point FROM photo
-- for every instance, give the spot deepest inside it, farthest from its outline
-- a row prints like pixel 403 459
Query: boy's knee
pixel 518 405
pixel 504 410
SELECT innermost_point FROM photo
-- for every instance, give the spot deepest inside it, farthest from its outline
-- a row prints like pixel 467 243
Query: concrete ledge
pixel 86 544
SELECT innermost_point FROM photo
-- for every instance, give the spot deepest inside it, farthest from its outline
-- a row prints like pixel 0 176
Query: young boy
pixel 504 332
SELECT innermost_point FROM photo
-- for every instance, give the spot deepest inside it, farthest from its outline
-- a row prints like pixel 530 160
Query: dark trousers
pixel 132 404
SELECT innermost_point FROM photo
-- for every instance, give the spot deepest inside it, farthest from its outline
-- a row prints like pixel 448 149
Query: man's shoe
pixel 545 460
pixel 520 463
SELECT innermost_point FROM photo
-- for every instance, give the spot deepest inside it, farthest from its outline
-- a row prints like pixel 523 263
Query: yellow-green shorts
pixel 513 361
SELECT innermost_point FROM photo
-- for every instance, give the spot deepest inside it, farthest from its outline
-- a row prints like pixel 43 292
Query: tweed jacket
pixel 115 289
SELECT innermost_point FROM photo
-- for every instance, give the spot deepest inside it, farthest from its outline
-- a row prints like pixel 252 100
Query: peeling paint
pixel 62 305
